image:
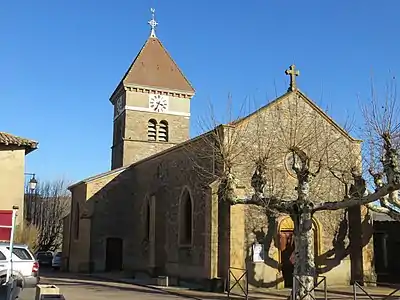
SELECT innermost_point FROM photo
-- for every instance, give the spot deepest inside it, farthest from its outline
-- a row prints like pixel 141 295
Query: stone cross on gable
pixel 292 72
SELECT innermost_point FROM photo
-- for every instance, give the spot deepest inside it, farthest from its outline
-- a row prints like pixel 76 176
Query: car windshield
pixel 58 254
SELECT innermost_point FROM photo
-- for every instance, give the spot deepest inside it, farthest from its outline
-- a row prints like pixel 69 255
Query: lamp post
pixel 32 181
pixel 28 207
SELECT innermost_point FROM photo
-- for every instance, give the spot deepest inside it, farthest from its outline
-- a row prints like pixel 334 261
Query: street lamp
pixel 28 204
pixel 32 182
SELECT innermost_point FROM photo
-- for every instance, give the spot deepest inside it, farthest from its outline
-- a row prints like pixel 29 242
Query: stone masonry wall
pixel 120 206
pixel 287 122
pixel 135 141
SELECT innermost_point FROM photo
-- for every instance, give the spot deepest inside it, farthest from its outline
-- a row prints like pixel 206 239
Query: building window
pixel 163 131
pixel 77 219
pixel 152 130
pixel 186 219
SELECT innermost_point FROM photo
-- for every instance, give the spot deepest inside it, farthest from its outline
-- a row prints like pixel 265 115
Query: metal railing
pixel 319 280
pixel 236 282
pixel 356 285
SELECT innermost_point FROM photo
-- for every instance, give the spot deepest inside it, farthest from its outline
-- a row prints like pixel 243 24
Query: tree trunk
pixel 304 267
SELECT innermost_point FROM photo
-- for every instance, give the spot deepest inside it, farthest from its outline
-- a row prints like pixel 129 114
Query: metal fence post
pixel 355 290
pixel 228 283
pixel 294 288
pixel 247 285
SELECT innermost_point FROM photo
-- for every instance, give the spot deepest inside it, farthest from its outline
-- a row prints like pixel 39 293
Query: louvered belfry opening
pixel 152 130
pixel 163 131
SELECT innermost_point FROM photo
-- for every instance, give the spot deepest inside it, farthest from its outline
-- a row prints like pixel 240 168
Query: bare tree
pixel 46 209
pixel 315 149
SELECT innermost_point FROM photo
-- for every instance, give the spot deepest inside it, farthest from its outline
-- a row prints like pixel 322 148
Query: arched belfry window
pixel 152 130
pixel 163 131
pixel 186 219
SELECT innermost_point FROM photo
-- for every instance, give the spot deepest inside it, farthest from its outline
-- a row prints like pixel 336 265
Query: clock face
pixel 158 103
pixel 120 105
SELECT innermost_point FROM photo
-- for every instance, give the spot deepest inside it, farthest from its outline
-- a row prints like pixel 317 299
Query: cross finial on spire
pixel 292 72
pixel 153 23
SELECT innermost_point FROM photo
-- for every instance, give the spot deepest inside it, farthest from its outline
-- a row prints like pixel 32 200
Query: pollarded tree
pixel 292 126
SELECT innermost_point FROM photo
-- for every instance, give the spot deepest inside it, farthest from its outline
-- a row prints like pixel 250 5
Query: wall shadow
pixel 325 261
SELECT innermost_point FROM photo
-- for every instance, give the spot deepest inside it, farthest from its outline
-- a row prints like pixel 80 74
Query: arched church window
pixel 152 130
pixel 163 131
pixel 186 219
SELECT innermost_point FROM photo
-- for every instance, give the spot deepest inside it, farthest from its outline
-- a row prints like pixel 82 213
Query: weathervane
pixel 153 23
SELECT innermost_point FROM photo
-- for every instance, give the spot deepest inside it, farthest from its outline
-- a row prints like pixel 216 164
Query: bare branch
pixel 354 201
pixel 46 209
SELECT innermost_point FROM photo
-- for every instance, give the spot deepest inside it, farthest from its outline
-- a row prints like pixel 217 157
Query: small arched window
pixel 163 131
pixel 186 219
pixel 152 130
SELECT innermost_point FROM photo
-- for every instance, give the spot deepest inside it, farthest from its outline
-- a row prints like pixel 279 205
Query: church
pixel 157 210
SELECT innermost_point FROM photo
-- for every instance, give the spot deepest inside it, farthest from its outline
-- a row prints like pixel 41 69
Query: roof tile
pixel 154 67
pixel 13 140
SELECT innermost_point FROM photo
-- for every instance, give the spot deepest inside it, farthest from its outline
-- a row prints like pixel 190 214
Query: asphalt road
pixel 91 289
pixel 88 288
pixel 80 287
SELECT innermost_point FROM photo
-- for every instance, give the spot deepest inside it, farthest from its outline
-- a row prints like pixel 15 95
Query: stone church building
pixel 157 210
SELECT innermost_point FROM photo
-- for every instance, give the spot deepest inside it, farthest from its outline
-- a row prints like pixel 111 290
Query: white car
pixel 25 265
pixel 56 263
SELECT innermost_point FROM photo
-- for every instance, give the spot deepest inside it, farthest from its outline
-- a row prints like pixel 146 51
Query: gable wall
pixel 272 129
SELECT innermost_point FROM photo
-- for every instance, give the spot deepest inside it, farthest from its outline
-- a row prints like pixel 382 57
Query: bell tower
pixel 151 104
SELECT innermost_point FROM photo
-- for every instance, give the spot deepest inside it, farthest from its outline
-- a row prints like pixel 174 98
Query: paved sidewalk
pixel 345 292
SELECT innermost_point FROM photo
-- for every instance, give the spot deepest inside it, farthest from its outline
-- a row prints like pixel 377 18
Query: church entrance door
pixel 287 257
pixel 287 248
pixel 114 254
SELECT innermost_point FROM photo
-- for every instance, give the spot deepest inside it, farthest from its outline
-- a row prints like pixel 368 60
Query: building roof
pixel 8 139
pixel 381 217
pixel 154 67
pixel 98 176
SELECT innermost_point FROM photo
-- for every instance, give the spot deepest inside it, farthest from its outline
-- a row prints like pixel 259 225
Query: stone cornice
pixel 150 90
pixel 154 90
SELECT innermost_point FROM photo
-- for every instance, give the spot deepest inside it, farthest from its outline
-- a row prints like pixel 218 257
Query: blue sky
pixel 61 60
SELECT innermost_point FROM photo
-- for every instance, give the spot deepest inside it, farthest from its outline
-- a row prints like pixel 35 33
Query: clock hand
pixel 158 104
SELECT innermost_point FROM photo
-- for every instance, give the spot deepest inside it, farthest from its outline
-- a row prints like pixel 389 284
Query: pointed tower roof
pixel 154 67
